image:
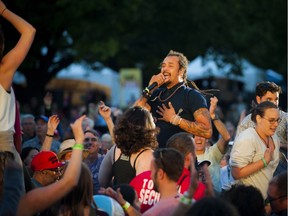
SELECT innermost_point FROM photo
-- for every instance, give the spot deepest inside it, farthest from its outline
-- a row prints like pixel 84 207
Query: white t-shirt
pixel 248 148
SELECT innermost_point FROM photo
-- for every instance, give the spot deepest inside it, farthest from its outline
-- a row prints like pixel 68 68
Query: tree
pixel 140 33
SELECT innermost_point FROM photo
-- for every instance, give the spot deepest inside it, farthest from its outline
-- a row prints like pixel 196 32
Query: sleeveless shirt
pixel 7 110
pixel 122 170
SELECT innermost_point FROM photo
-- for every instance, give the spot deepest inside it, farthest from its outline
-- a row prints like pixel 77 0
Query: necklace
pixel 266 143
pixel 163 100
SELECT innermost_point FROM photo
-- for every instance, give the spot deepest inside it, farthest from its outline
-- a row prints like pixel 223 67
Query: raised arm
pixel 41 198
pixel 222 142
pixel 105 112
pixel 52 125
pixel 142 101
pixel 12 60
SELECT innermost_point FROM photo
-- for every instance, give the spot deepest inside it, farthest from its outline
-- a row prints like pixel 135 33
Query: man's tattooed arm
pixel 201 126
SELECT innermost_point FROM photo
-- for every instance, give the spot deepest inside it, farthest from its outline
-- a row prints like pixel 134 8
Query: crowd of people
pixel 157 157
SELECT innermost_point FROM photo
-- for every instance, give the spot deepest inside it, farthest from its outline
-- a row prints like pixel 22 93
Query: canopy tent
pixel 80 79
pixel 200 68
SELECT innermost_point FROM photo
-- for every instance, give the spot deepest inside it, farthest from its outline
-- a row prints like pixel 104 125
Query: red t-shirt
pixel 144 187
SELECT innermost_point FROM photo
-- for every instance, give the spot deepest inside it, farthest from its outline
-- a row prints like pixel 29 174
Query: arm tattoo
pixel 201 128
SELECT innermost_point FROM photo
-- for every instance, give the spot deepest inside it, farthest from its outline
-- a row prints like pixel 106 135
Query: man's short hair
pixel 263 87
pixel 94 132
pixel 183 142
pixel 280 181
pixel 171 161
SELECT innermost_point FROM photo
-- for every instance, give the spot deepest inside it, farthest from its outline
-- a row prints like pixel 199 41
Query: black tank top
pixel 122 170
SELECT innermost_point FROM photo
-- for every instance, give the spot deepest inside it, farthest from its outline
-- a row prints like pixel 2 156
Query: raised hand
pixel 104 110
pixel 213 106
pixel 53 123
pixel 78 130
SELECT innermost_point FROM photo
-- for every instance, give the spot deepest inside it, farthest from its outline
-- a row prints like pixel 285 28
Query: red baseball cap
pixel 45 160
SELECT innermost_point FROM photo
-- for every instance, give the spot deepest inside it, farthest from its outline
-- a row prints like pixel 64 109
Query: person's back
pixel 124 168
pixel 135 139
pixel 8 66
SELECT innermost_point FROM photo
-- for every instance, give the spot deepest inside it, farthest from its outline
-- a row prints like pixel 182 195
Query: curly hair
pixel 134 131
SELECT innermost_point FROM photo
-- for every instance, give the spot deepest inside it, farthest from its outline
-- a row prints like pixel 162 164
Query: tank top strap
pixel 115 153
pixel 138 156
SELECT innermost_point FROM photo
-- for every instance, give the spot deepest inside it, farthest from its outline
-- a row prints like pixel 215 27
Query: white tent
pixel 105 77
pixel 200 68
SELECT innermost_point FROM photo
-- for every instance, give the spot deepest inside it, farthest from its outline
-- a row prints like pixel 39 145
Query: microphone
pixel 146 92
pixel 152 86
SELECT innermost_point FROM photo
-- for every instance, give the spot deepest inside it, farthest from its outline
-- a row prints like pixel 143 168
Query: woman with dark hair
pixel 79 200
pixel 255 153
pixel 135 137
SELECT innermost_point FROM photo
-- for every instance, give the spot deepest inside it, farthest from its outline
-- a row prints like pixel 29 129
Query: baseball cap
pixel 45 160
pixel 108 205
pixel 43 117
pixel 201 163
pixel 67 146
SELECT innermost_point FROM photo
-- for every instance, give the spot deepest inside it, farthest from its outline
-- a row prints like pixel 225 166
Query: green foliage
pixel 125 33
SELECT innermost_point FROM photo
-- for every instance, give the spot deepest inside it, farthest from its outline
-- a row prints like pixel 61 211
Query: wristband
pixel 215 118
pixel 126 206
pixel 146 90
pixel 78 146
pixel 187 201
pixel 50 135
pixel 146 93
pixel 264 161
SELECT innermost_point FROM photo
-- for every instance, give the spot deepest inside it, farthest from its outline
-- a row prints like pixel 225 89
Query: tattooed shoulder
pixel 202 112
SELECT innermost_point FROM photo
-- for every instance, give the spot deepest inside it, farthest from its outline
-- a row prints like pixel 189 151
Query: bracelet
pixel 264 161
pixel 126 206
pixel 3 11
pixel 215 118
pixel 187 201
pixel 50 135
pixel 146 93
pixel 78 146
pixel 176 120
pixel 146 90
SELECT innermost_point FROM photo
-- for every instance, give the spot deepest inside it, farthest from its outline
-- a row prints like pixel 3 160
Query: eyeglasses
pixel 270 199
pixel 57 171
pixel 90 139
pixel 272 121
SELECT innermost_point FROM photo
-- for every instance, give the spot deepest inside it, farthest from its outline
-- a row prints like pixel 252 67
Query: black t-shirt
pixel 187 99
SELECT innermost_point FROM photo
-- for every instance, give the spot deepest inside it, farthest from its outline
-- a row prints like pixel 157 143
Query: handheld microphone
pixel 152 86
